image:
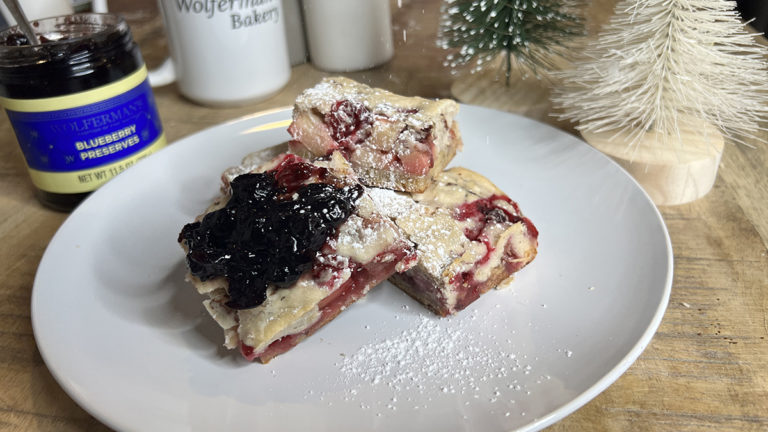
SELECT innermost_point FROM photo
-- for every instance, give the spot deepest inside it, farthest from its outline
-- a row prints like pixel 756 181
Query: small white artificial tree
pixel 665 65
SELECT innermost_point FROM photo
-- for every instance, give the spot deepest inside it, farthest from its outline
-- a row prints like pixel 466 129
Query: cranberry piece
pixel 349 122
pixel 484 211
pixel 293 172
pixel 266 234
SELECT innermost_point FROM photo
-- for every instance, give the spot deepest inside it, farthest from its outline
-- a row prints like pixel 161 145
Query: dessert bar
pixel 285 248
pixel 391 141
pixel 470 237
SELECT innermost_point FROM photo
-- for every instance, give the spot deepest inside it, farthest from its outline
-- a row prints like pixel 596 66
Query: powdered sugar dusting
pixel 438 235
pixel 416 112
pixel 390 203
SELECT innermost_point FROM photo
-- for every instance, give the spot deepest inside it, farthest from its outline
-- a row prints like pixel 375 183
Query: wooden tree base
pixel 679 171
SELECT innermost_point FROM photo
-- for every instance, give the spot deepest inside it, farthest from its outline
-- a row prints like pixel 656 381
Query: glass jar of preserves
pixel 80 103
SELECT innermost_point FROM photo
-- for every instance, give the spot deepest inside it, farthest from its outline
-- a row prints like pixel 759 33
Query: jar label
pixel 76 143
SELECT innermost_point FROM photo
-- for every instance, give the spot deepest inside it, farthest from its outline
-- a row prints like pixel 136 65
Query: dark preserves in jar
pixel 80 103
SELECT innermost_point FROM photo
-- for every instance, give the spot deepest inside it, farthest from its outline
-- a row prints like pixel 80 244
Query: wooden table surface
pixel 705 369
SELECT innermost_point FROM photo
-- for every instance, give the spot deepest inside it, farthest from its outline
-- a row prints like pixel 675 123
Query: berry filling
pixel 482 212
pixel 293 172
pixel 350 123
pixel 363 277
pixel 417 159
pixel 270 230
pixel 471 292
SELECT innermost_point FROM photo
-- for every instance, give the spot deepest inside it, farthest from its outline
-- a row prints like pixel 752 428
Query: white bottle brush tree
pixel 669 66
pixel 529 34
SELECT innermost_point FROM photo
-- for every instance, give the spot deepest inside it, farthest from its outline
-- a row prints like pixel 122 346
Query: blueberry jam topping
pixel 350 122
pixel 269 232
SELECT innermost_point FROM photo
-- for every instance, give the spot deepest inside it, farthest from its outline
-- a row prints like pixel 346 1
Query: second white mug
pixel 348 35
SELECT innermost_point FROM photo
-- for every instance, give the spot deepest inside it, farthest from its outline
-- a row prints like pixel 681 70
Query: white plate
pixel 128 339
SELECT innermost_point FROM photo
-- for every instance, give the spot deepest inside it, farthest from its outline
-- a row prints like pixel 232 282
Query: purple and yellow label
pixel 76 143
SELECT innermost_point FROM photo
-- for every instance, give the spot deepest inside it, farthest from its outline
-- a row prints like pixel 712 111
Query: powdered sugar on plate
pixel 439 358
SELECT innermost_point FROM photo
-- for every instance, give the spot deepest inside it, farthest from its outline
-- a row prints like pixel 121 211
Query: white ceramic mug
pixel 348 35
pixel 225 53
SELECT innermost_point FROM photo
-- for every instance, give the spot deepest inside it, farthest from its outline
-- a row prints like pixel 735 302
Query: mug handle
pixel 99 6
pixel 164 74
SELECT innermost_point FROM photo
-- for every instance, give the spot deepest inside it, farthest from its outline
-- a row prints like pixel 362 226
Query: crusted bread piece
pixel 391 141
pixel 470 237
pixel 365 249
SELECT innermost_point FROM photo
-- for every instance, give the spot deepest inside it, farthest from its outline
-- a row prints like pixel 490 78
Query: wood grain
pixel 705 370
